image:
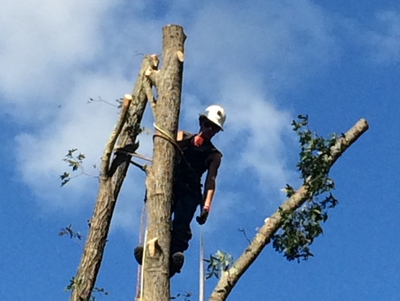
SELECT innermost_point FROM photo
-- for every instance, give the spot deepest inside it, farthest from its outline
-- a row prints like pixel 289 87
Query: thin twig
pixel 245 235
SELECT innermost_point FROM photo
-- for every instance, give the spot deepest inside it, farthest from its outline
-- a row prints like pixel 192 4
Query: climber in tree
pixel 199 156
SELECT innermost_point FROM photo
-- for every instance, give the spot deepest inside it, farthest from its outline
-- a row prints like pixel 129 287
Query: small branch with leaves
pixel 76 163
pixel 218 263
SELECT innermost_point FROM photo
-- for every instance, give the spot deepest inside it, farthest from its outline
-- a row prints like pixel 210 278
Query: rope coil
pixel 167 136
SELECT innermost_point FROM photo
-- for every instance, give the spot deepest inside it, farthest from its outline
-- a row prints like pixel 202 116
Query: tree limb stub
pixel 150 74
pixel 152 245
pixel 180 56
pixel 272 224
pixel 108 192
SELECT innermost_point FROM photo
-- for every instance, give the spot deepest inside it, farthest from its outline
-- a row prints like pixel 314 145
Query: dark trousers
pixel 184 207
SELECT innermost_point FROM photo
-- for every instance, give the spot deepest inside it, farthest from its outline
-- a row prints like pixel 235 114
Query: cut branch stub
pixel 154 61
pixel 151 76
pixel 152 246
pixel 180 55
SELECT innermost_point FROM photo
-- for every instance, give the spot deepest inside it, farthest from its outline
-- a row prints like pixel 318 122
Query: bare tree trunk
pixel 272 224
pixel 111 180
pixel 168 82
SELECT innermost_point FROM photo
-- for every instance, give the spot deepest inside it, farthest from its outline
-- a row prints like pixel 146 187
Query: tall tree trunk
pixel 111 180
pixel 168 82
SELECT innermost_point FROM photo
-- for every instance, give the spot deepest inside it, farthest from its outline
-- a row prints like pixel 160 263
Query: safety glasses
pixel 209 124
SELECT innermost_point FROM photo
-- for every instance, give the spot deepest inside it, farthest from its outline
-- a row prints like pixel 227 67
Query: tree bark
pixel 229 278
pixel 111 180
pixel 168 82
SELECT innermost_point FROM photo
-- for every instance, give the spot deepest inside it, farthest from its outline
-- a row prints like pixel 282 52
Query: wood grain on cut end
pixel 180 55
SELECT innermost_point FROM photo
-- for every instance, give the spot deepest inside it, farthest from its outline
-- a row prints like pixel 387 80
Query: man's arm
pixel 210 183
pixel 209 187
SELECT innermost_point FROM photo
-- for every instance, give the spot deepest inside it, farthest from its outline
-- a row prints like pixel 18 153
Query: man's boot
pixel 138 253
pixel 176 263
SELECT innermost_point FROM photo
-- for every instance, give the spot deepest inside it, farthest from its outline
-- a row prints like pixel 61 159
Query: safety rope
pixel 168 137
pixel 201 266
pixel 142 269
pixel 139 275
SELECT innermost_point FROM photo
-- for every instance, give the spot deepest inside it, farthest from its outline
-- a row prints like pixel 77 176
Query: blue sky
pixel 265 62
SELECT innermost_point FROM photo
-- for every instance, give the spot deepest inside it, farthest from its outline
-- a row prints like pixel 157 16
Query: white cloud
pixel 78 125
pixel 269 41
pixel 384 39
pixel 42 42
pixel 236 55
pixel 376 42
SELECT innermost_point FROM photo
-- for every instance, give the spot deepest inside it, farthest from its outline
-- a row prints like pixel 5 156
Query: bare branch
pixel 105 160
pixel 272 224
pixel 109 188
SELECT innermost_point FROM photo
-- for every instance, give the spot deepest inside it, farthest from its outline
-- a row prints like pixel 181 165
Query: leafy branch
pixel 76 163
pixel 300 227
pixel 302 200
pixel 186 296
pixel 218 263
pixel 74 284
pixel 71 233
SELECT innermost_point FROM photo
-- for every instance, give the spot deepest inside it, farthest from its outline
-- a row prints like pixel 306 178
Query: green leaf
pixel 70 152
pixel 64 175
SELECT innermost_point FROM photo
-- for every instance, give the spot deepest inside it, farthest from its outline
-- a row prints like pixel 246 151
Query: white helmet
pixel 216 114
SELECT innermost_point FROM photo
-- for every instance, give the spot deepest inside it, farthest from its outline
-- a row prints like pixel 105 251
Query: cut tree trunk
pixel 168 82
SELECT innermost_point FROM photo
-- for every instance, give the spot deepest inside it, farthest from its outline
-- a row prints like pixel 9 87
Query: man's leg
pixel 184 209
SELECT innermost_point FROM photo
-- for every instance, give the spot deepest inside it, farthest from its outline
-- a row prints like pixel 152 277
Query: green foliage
pixel 69 231
pixel 186 296
pixel 300 228
pixel 218 263
pixel 74 284
pixel 98 290
pixel 76 163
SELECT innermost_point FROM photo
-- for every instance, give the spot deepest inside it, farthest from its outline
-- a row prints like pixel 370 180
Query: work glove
pixel 202 218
